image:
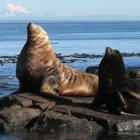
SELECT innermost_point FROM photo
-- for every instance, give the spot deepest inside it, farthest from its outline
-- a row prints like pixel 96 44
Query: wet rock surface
pixel 49 114
pixel 8 59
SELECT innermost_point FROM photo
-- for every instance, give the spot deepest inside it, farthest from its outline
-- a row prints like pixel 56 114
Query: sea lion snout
pixel 109 51
pixel 32 28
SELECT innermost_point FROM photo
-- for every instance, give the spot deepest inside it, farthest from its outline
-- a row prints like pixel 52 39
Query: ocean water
pixel 104 135
pixel 69 37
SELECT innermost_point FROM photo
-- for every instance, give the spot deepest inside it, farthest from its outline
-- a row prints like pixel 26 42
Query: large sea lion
pixel 117 90
pixel 38 69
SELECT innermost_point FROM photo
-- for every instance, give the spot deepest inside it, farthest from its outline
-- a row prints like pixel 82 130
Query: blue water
pixel 69 37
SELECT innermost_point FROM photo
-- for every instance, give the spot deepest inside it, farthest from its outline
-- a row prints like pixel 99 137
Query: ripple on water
pixel 103 135
pixel 8 84
pixel 9 137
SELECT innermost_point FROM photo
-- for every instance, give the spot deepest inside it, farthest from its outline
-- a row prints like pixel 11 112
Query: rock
pixel 130 54
pixel 13 59
pixel 128 125
pixel 43 106
pixel 16 118
pixel 9 101
pixel 69 60
pixel 49 114
pixel 8 59
pixel 92 69
pixel 21 101
pixel 1 62
pixel 52 121
pixel 134 73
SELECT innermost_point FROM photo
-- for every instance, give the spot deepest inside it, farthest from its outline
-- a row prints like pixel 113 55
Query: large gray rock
pixel 53 121
pixel 49 114
pixel 17 118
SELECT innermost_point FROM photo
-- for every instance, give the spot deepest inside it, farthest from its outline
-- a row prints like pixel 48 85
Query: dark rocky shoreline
pixel 64 58
pixel 49 114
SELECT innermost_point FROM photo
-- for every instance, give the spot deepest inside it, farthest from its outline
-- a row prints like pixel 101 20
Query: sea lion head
pixel 36 33
pixel 112 69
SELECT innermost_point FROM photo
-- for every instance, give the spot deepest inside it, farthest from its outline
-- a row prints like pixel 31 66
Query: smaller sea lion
pixel 116 90
pixel 39 70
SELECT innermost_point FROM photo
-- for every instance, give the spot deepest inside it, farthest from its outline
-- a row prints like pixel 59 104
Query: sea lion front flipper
pixel 123 108
pixel 98 101
pixel 116 103
pixel 122 100
pixel 134 94
pixel 47 92
pixel 46 89
pixel 128 114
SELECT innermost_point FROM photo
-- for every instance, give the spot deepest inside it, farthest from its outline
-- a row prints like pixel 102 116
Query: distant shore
pixel 65 58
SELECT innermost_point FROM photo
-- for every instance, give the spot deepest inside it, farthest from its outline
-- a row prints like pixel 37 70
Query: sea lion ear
pixel 118 53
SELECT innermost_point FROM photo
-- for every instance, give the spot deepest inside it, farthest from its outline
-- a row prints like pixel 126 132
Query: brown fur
pixel 38 69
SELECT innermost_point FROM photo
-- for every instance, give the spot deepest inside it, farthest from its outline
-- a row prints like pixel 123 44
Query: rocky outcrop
pixel 49 114
pixel 133 73
pixel 92 69
pixel 65 58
